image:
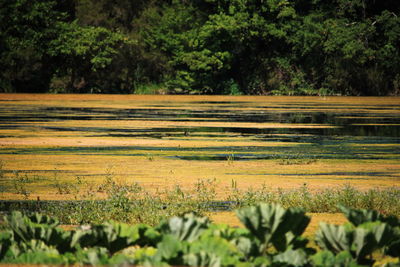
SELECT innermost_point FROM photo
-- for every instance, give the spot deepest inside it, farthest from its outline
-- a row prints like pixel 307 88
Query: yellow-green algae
pixel 158 141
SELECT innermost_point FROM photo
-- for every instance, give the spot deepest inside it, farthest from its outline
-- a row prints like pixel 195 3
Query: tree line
pixel 261 47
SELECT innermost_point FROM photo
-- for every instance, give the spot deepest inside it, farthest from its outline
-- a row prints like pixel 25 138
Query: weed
pixel 2 176
pixel 132 203
pixel 65 188
pixel 79 180
pixel 326 200
pixel 230 158
pixel 108 182
pixel 206 190
pixel 20 184
pixel 2 171
pixel 297 159
pixel 234 197
pixel 150 157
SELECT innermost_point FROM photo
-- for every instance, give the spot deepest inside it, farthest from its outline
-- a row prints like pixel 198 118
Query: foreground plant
pixel 367 233
pixel 271 237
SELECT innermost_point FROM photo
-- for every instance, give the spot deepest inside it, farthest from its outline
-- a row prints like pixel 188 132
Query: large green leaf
pixel 364 244
pixel 385 236
pixel 201 259
pixel 360 242
pixel 92 256
pixel 247 246
pixel 148 236
pixel 262 220
pixel 169 250
pixel 33 252
pixel 326 258
pixel 211 251
pixel 226 232
pixel 187 228
pixel 38 227
pixel 292 257
pixel 272 224
pixel 111 235
pixel 334 238
pixel 383 233
pixel 360 216
pixel 43 219
pixel 6 239
pixel 240 237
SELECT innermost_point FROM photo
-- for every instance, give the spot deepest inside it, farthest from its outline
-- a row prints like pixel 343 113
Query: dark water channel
pixel 349 126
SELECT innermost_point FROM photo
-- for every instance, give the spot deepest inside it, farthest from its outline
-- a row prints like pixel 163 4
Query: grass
pixel 133 203
pixel 325 200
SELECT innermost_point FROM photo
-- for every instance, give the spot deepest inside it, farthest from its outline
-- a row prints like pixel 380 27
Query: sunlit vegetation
pixel 275 47
pixel 272 237
pixel 131 203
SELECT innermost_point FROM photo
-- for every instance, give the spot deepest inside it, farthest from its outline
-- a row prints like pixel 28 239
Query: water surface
pixel 162 140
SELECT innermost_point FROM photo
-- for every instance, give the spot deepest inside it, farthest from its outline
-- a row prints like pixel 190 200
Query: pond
pixel 159 141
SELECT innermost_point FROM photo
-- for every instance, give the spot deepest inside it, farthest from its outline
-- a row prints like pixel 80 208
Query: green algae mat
pixel 161 141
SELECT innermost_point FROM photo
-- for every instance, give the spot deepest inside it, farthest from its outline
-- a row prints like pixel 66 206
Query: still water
pixel 158 141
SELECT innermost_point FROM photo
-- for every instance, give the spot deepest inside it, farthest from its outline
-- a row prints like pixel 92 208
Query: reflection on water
pixel 349 123
pixel 359 124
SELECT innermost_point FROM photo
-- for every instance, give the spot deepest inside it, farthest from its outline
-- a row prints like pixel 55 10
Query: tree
pixel 87 54
pixel 26 28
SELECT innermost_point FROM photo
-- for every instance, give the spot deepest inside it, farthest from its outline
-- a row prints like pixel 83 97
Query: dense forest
pixel 261 47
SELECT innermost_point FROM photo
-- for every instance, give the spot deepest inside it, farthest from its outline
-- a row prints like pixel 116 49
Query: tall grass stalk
pixel 132 203
pixel 324 200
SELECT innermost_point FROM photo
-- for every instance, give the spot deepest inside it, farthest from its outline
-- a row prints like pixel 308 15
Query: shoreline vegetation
pixel 132 203
pixel 201 47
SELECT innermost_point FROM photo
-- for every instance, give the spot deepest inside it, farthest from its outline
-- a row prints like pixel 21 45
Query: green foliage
pixel 131 203
pixel 367 234
pixel 26 28
pixel 327 200
pixel 211 251
pixel 241 238
pixel 111 235
pixel 273 225
pixel 326 258
pixel 357 217
pixel 193 241
pixel 188 227
pixel 292 257
pixel 87 53
pixel 360 242
pixel 201 47
pixel 385 229
pixel 37 227
pixel 6 238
